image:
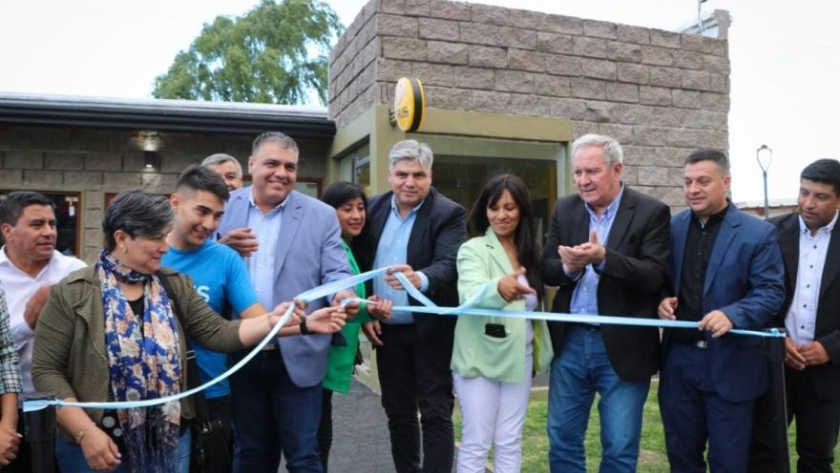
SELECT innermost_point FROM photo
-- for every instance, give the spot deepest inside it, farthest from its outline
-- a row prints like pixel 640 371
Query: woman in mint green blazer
pixel 494 358
pixel 350 205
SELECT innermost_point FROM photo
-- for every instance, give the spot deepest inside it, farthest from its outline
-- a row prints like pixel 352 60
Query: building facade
pixel 506 90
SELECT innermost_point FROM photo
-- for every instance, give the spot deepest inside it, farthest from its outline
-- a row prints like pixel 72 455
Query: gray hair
pixel 280 139
pixel 411 150
pixel 222 158
pixel 612 150
pixel 138 213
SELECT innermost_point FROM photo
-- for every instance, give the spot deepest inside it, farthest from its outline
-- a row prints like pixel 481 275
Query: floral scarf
pixel 144 363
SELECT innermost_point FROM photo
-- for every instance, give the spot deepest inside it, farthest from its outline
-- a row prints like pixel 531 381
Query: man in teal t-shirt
pixel 218 273
pixel 220 277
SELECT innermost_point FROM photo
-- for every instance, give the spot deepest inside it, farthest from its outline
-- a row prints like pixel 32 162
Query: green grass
pixel 652 457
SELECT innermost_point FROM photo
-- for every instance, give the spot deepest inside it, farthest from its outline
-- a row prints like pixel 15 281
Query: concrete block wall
pixel 661 94
pixel 96 162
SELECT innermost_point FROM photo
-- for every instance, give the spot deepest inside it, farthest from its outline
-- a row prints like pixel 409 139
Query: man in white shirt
pixel 810 244
pixel 29 265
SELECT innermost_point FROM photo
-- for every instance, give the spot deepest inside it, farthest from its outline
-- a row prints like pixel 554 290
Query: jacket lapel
pixel 497 252
pixel 379 216
pixel 579 232
pixel 288 230
pixel 89 308
pixel 623 217
pixel 679 235
pixel 832 260
pixel 727 233
pixel 418 240
pixel 789 245
pixel 237 212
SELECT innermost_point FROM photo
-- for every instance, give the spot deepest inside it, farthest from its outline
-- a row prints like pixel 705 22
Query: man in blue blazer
pixel 293 244
pixel 727 273
pixel 415 230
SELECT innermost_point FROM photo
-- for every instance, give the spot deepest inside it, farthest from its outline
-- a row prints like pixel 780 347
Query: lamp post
pixel 764 156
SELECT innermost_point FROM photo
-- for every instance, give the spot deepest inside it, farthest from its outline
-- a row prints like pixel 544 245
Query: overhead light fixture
pixel 151 159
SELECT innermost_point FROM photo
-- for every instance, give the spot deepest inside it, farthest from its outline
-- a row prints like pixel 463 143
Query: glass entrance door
pixel 461 178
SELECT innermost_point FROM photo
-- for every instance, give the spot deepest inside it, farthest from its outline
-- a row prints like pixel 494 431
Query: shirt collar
pixel 715 217
pixel 396 209
pixel 826 229
pixel 612 208
pixel 4 259
pixel 278 206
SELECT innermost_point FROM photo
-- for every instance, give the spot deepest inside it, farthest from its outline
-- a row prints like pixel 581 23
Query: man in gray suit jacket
pixel 292 243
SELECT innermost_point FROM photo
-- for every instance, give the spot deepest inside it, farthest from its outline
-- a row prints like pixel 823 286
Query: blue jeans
pixel 71 459
pixel 271 414
pixel 581 369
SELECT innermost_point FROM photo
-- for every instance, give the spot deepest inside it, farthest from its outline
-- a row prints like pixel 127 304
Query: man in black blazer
pixel 415 230
pixel 810 244
pixel 608 250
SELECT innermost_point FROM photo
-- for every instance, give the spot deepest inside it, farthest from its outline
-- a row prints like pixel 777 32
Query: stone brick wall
pixel 97 162
pixel 659 93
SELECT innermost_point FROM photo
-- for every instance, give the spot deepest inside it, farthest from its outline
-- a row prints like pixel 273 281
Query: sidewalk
pixel 360 433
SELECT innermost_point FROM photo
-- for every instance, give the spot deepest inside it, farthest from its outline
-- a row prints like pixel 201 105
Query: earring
pixel 124 250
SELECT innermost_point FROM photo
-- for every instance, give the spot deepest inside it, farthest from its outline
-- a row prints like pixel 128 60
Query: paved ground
pixel 360 427
pixel 360 431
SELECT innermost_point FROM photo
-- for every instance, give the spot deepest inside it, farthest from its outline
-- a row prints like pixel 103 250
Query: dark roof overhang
pixel 164 115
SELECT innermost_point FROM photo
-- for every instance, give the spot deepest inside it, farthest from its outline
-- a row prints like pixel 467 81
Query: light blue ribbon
pixel 428 307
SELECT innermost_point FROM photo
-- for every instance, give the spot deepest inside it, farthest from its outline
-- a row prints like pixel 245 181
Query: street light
pixel 764 156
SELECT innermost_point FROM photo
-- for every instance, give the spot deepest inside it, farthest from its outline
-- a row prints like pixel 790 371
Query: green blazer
pixel 482 260
pixel 342 358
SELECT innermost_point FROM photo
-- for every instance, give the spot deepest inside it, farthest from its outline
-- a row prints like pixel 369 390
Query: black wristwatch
pixel 304 330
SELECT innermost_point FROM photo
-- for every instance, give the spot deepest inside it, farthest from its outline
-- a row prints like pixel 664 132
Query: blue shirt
pixel 585 295
pixel 393 249
pixel 266 227
pixel 220 277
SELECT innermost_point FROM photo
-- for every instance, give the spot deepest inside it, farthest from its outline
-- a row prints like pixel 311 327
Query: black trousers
pixel 325 428
pixel 221 410
pixel 23 462
pixel 415 376
pixel 817 424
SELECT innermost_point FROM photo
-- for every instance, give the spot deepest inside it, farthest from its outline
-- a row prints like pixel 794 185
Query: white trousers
pixel 493 414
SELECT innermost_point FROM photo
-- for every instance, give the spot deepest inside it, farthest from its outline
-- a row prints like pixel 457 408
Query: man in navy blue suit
pixel 727 273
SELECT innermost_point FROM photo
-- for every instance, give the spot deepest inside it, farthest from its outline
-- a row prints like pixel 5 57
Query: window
pixel 355 167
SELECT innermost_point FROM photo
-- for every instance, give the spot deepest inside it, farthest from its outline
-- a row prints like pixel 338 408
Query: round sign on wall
pixel 409 104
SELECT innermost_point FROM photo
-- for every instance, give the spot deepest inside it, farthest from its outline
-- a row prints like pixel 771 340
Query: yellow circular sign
pixel 409 104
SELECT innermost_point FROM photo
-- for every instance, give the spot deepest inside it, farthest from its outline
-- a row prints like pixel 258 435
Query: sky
pixel 785 61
